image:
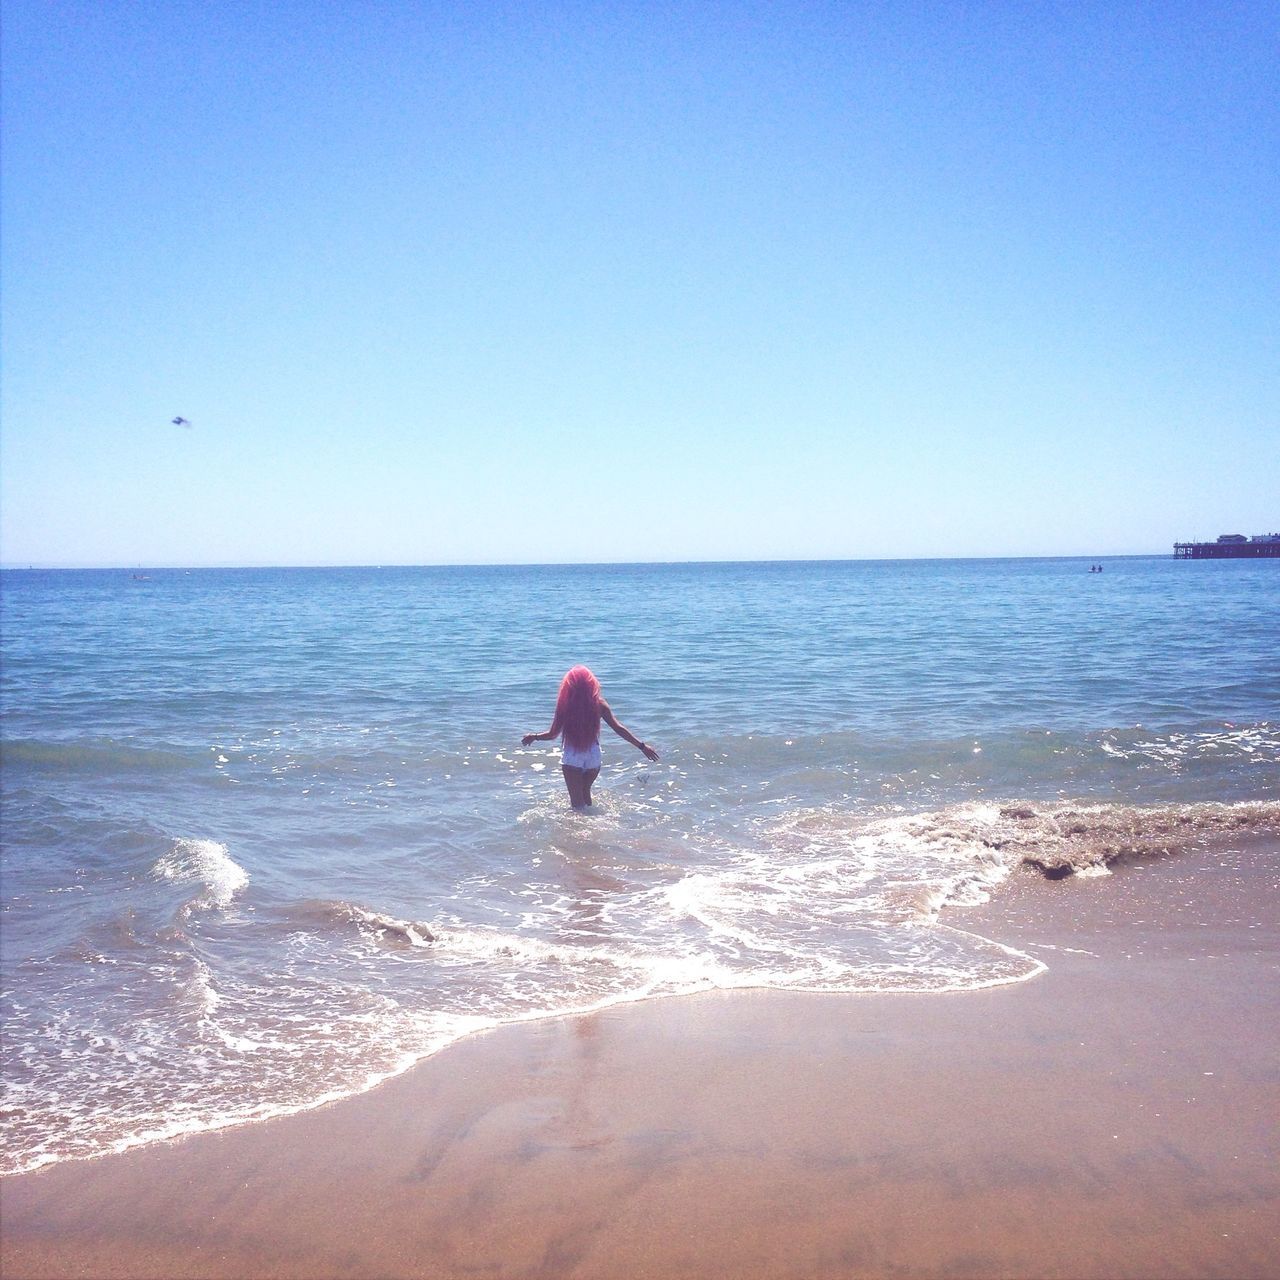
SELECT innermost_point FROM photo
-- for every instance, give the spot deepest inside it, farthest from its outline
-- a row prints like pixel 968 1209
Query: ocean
pixel 270 836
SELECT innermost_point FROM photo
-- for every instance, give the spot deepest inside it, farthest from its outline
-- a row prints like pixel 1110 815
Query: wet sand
pixel 1115 1117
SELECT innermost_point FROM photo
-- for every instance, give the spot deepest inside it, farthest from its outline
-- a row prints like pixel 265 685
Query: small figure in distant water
pixel 181 422
pixel 579 710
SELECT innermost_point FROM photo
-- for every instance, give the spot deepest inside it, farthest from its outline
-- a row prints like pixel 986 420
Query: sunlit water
pixel 270 835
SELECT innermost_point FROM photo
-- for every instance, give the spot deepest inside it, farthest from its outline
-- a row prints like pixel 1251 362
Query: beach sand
pixel 1113 1117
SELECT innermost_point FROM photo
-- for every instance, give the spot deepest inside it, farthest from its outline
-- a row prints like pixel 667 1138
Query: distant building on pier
pixel 1231 546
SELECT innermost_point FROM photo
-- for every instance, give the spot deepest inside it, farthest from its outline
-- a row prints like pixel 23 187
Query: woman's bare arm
pixel 550 735
pixel 606 714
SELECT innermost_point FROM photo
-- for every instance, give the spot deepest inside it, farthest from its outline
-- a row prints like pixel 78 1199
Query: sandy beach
pixel 1114 1117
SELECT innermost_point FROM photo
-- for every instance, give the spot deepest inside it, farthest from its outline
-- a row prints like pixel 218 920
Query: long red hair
pixel 578 708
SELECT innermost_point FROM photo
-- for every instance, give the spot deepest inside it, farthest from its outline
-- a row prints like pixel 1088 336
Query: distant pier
pixel 1231 546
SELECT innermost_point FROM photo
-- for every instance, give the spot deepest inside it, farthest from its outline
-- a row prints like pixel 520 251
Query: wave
pixel 98 755
pixel 376 926
pixel 1069 839
pixel 829 899
pixel 207 863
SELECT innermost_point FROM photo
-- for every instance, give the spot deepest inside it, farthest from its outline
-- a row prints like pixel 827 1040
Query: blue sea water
pixel 270 835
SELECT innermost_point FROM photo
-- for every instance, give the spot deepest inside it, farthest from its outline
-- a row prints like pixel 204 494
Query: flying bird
pixel 181 422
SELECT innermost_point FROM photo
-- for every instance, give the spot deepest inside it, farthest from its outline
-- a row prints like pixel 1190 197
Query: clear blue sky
pixel 556 282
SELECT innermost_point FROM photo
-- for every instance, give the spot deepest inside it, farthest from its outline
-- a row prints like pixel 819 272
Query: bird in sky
pixel 181 422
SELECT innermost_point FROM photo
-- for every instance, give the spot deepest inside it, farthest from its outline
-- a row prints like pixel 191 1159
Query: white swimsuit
pixel 582 757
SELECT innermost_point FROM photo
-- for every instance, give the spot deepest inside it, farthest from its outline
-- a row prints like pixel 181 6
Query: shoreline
pixel 1114 1116
pixel 337 1098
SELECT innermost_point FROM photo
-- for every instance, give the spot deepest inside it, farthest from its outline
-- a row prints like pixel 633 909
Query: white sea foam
pixel 207 863
pixel 823 899
pixel 206 994
pixel 377 927
pixel 383 925
pixel 1255 743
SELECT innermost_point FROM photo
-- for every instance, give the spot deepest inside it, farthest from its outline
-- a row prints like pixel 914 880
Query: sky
pixel 561 282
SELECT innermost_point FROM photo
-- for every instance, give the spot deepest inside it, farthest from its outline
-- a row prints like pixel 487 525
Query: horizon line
pixel 43 567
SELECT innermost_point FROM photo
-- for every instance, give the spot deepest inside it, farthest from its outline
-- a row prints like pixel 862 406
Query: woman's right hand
pixel 527 739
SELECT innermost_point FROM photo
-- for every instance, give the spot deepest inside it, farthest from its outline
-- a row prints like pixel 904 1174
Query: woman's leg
pixel 588 777
pixel 579 792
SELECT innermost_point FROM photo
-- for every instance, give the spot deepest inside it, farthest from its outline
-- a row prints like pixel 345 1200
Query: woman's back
pixel 578 708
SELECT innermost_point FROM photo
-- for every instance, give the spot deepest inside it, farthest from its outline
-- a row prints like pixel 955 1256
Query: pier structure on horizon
pixel 1231 546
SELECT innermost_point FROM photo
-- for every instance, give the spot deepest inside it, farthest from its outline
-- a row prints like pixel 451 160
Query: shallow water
pixel 270 835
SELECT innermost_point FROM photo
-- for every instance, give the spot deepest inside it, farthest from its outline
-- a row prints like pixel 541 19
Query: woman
pixel 579 710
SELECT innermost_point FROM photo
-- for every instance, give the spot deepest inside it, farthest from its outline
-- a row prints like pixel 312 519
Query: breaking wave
pixel 371 925
pixel 208 864
pixel 1063 840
